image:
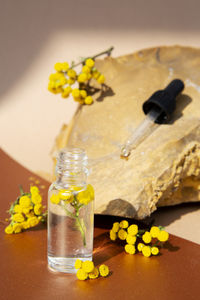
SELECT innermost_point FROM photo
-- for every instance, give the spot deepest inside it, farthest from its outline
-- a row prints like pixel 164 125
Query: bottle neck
pixel 71 168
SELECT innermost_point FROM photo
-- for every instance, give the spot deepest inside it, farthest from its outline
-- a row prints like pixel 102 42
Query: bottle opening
pixel 72 161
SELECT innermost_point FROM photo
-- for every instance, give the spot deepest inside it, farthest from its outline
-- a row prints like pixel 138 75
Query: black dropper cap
pixel 164 101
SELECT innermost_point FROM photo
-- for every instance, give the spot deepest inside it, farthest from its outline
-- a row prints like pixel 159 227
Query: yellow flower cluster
pixel 65 195
pixel 26 211
pixel 72 196
pixel 87 270
pixel 84 197
pixel 72 200
pixel 131 233
pixel 65 77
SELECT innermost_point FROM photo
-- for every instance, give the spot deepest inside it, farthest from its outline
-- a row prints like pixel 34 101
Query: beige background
pixel 36 34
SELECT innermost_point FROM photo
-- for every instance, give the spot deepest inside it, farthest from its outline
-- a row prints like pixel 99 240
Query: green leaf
pixel 21 189
pixel 161 227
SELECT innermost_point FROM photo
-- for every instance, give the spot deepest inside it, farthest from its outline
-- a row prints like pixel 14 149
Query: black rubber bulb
pixel 164 101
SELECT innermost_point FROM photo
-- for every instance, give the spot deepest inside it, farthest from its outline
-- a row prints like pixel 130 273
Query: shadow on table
pixel 104 248
pixel 106 221
pixel 167 215
pixel 168 245
pixel 40 226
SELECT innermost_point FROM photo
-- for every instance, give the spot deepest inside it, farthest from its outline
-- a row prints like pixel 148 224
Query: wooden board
pixel 25 275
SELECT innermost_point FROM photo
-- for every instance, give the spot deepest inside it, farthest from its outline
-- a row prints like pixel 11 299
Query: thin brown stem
pixel 108 52
pixel 3 222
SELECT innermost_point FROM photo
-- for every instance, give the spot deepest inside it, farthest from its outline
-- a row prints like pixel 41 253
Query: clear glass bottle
pixel 70 212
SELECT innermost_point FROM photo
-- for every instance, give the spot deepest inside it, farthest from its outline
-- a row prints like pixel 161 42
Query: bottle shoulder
pixel 52 186
pixel 58 185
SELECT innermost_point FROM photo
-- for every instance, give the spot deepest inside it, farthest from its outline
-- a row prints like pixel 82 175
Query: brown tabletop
pixel 23 264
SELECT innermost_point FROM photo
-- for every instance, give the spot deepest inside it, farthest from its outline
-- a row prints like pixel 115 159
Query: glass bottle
pixel 70 212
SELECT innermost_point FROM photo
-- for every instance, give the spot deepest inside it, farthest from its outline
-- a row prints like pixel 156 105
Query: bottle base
pixel 63 264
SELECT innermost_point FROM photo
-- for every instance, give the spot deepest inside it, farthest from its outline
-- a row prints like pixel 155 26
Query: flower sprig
pixel 87 270
pixel 65 77
pixel 27 211
pixel 74 198
pixel 149 242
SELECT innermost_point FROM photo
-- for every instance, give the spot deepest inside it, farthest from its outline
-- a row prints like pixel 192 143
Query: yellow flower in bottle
pixel 18 218
pixel 71 73
pixel 154 231
pixel 146 251
pixel 24 201
pixel 33 221
pixel 88 266
pixel 82 77
pixel 84 197
pixel 88 100
pixel 36 198
pixel 38 209
pixel 78 264
pixel 123 224
pixel 131 239
pixel 17 228
pixel 9 229
pixel 90 190
pixel 115 227
pixel 81 274
pixel 133 229
pixel 122 234
pixel 55 199
pixel 104 270
pixel 130 249
pixel 66 195
pixel 146 237
pixel 89 62
pixel 101 79
pixel 163 236
pixel 18 208
pixel 94 274
pixel 113 235
pixel 75 188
